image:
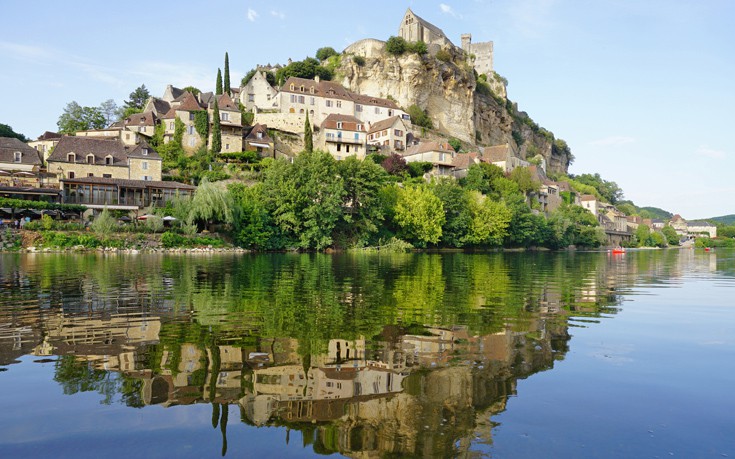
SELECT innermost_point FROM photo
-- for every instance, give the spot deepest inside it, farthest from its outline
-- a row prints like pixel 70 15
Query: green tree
pixel 395 45
pixel 525 228
pixel 526 183
pixel 226 82
pixel 110 111
pixel 420 215
pixel 305 198
pixel 78 118
pixel 643 235
pixel 490 220
pixel 395 165
pixel 193 90
pixel 269 77
pixel 210 204
pixel 419 117
pixel 308 135
pixel 7 131
pixel 363 181
pixel 457 214
pixel 574 225
pixel 308 68
pixel 481 177
pixel 104 224
pixel 216 130
pixel 218 83
pixel 455 143
pixel 418 47
pixel 325 53
pixel 136 103
pixel 670 234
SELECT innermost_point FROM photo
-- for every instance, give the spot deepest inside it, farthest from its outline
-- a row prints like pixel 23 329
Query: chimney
pixel 316 78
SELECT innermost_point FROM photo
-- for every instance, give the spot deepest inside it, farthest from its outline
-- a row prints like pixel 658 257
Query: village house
pixel 343 136
pixel 21 174
pixel 184 108
pixel 258 140
pixel 230 123
pixel 322 98
pixel 503 157
pixel 388 135
pixel 462 163
pixel 609 217
pixel 101 173
pixel 258 94
pixel 142 123
pixel 45 143
pixel 439 154
pixel 699 228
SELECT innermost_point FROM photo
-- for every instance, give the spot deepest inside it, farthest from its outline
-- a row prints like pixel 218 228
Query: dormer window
pixel 311 89
pixel 17 156
pixel 339 124
pixel 108 160
pixel 259 135
pixel 71 158
pixel 144 152
pixel 359 127
pixel 302 88
pixel 90 159
pixel 292 87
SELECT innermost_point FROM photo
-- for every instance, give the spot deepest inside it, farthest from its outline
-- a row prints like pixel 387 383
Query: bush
pixel 418 47
pixel 169 240
pixel 325 53
pixel 104 224
pixel 396 46
pixel 455 143
pixel 444 55
pixel 419 117
pixel 419 168
pixel 154 223
pixel 359 60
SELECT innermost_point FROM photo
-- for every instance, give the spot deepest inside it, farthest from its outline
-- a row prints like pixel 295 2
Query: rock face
pixel 447 90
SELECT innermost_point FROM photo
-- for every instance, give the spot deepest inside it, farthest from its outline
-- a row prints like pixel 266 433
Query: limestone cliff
pixel 476 112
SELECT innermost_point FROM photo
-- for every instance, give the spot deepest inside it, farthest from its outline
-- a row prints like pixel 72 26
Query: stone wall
pixel 288 122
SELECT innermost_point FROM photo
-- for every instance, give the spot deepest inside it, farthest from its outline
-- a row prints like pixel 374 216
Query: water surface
pixel 415 355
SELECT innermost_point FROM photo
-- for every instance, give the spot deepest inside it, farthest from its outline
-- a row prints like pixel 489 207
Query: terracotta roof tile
pixel 8 147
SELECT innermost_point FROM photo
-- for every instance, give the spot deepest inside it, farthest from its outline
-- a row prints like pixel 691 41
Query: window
pixel 227 146
pixel 357 136
pixel 390 112
pixel 329 103
pixel 108 160
pixel 311 89
pixel 70 174
pixel 301 99
pixel 71 158
pixel 144 152
pixel 339 124
pixel 347 148
pixel 302 88
pixel 398 133
pixel 359 127
pixel 147 178
pixel 377 110
pixel 190 130
pixel 172 125
pixel 339 147
pixel 106 175
pixel 339 104
pixel 293 98
pixel 145 165
pixel 292 86
pixel 311 100
pixel 191 116
pixel 17 156
pixel 251 97
pixel 90 159
pixel 191 141
pixel 259 135
pixel 90 174
pixel 141 129
pixel 358 108
pixel 224 116
pixel 127 136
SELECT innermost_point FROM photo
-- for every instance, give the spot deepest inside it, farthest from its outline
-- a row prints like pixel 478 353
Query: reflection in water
pixel 377 355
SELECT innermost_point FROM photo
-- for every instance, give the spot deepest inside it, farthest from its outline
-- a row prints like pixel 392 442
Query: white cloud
pixel 252 15
pixel 446 9
pixel 704 150
pixel 277 14
pixel 612 141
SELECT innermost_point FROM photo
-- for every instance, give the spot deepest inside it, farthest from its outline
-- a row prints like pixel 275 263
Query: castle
pixel 413 28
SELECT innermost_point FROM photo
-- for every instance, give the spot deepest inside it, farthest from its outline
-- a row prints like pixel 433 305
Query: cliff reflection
pixel 365 356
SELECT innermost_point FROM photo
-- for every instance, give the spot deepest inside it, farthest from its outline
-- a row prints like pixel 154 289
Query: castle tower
pixel 466 41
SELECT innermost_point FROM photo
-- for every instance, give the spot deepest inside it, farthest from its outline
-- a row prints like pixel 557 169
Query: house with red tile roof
pixel 343 136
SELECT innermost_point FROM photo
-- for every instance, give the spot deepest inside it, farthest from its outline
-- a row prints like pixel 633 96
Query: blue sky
pixel 642 91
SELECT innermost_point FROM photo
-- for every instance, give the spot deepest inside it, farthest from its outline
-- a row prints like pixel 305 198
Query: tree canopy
pixel 137 101
pixel 7 131
pixel 78 118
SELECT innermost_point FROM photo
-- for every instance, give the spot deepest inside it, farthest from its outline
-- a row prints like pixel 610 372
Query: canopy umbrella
pixel 169 218
pixel 145 217
pixel 24 174
pixel 125 218
pixel 2 172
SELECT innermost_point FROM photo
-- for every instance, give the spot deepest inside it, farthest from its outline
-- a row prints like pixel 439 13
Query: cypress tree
pixel 216 130
pixel 308 136
pixel 227 74
pixel 218 86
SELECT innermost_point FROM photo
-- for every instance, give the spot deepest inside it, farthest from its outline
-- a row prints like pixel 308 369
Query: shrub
pixel 359 60
pixel 418 47
pixel 154 223
pixel 419 117
pixel 169 240
pixel 455 143
pixel 325 53
pixel 444 55
pixel 396 46
pixel 419 168
pixel 104 224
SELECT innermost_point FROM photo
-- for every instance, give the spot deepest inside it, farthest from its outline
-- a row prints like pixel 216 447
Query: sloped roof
pixel 496 153
pixel 427 24
pixel 8 147
pixel 588 197
pixel 189 103
pixel 349 122
pixel 384 124
pixel 131 183
pixel 699 223
pixel 141 119
pixel 100 149
pixel 425 147
pixel 259 128
pixel 465 160
pixel 332 90
pixel 48 135
pixel 225 102
pixel 160 106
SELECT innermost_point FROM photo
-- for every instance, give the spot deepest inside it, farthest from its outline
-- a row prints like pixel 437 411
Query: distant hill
pixel 725 219
pixel 655 212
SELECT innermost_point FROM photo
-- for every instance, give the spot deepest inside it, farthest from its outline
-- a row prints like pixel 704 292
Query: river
pixel 574 354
